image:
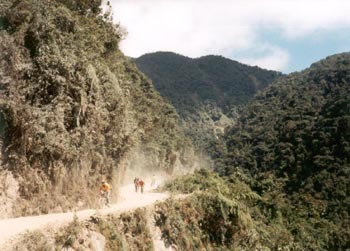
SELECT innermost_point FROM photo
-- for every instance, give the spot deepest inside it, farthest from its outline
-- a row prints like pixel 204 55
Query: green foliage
pixel 225 214
pixel 128 231
pixel 204 91
pixel 83 6
pixel 215 216
pixel 2 125
pixel 187 82
pixel 74 105
pixel 109 229
pixel 293 139
pixel 202 180
pixel 3 23
pixel 70 233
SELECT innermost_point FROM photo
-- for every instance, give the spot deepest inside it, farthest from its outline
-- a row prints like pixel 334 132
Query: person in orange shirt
pixel 105 190
pixel 141 184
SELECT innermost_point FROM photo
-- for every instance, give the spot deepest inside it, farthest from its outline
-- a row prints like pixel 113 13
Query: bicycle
pixel 104 200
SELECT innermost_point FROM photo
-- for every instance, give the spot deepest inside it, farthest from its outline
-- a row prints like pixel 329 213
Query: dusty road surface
pixel 129 200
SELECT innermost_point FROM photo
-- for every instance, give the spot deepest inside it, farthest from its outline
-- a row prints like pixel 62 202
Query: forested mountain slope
pixel 74 109
pixel 205 91
pixel 294 140
pixel 189 83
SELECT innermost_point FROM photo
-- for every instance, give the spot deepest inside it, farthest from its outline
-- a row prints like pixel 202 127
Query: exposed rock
pixel 8 193
pixel 98 241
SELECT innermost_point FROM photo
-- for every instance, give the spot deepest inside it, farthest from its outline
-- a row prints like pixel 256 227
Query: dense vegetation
pixel 216 213
pixel 226 214
pixel 190 83
pixel 294 139
pixel 206 91
pixel 74 109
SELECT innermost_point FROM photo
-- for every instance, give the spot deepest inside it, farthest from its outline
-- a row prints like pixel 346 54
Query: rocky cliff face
pixel 74 109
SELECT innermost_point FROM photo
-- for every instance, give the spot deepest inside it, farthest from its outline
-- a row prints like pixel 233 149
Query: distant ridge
pixel 205 91
pixel 188 83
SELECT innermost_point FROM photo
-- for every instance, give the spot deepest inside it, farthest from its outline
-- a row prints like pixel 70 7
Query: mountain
pixel 205 91
pixel 189 83
pixel 75 110
pixel 293 139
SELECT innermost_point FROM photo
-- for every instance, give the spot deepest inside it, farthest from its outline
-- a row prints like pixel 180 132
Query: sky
pixel 283 35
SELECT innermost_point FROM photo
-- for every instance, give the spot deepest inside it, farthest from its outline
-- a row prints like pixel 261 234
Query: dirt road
pixel 129 200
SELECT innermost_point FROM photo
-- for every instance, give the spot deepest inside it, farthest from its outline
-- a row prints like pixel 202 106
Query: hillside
pixel 294 140
pixel 206 91
pixel 75 110
pixel 190 83
pixel 284 181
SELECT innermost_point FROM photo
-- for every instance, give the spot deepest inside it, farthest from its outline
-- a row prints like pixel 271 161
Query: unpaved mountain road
pixel 129 200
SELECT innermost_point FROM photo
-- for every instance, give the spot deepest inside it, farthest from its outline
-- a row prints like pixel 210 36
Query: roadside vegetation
pixel 73 108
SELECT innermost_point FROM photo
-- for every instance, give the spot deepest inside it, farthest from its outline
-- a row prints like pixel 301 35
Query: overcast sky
pixel 284 35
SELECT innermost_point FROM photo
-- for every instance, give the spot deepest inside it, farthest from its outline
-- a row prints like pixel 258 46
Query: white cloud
pixel 274 58
pixel 199 27
pixel 180 26
pixel 299 18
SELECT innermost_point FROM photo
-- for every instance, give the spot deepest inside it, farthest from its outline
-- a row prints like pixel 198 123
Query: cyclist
pixel 105 190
